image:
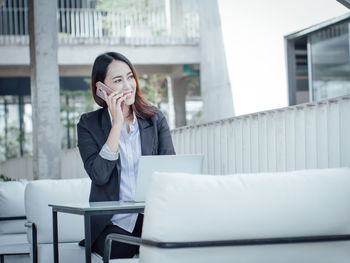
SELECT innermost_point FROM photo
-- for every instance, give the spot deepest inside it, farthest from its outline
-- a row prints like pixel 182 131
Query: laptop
pixel 164 163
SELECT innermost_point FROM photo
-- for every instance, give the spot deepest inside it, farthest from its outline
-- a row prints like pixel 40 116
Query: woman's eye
pixel 131 77
pixel 117 81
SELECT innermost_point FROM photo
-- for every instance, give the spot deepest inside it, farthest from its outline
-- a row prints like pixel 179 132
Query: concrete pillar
pixel 215 84
pixel 45 89
pixel 171 105
pixel 179 93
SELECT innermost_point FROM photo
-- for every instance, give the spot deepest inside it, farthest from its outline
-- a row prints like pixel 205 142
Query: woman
pixel 110 142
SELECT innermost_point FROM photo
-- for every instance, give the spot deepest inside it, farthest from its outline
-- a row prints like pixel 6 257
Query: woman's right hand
pixel 114 102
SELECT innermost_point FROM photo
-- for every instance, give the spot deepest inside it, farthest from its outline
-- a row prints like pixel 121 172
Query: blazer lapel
pixel 146 128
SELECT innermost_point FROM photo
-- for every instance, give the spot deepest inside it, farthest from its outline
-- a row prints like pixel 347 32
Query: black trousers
pixel 119 250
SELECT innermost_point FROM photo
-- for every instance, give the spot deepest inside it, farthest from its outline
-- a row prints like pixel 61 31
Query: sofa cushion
pixel 13 244
pixel 185 207
pixel 12 204
pixel 12 227
pixel 40 193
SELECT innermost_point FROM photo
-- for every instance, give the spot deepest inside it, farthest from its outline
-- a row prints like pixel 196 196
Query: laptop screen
pixel 164 163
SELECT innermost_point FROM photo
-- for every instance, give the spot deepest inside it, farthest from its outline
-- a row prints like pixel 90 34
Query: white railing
pixel 312 135
pixel 306 136
pixel 93 26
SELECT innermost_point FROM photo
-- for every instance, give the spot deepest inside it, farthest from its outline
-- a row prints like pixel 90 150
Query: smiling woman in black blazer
pixel 111 140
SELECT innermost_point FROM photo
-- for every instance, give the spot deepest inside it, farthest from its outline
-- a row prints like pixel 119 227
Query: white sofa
pixel 40 193
pixel 14 247
pixel 193 208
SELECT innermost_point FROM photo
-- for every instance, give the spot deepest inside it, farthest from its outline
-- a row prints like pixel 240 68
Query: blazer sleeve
pixel 165 143
pixel 99 169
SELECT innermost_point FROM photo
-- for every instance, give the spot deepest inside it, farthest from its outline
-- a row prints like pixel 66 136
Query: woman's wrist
pixel 113 137
pixel 117 124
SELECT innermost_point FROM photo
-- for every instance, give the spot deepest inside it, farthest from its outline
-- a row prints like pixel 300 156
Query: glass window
pixel 76 98
pixel 15 117
pixel 330 62
pixel 16 113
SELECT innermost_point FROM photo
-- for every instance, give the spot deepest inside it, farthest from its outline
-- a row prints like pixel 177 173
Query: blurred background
pixel 109 25
pixel 197 61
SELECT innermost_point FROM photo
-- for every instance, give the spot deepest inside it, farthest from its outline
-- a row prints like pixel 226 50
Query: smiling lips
pixel 128 95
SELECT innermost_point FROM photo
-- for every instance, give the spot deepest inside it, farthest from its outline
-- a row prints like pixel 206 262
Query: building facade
pixel 318 61
pixel 164 39
pixel 164 48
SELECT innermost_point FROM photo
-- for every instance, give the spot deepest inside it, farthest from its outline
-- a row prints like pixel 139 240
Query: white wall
pixel 253 36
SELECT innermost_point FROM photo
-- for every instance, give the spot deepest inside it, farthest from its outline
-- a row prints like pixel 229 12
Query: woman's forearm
pixel 114 136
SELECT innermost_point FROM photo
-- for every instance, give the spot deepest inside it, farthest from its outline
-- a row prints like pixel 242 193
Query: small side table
pixel 88 209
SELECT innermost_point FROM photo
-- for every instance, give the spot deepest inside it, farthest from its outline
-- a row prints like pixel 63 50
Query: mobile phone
pixel 100 87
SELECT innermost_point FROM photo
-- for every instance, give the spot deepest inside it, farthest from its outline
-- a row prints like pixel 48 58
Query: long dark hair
pixel 141 107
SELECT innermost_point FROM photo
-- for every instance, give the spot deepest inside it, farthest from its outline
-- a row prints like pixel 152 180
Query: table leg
pixel 87 224
pixel 55 236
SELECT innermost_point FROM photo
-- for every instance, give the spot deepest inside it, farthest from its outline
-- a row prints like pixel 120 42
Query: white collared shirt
pixel 129 152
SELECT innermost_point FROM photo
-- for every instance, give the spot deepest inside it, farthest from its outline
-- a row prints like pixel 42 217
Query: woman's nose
pixel 126 85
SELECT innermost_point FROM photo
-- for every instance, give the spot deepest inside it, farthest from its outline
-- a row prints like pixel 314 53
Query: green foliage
pixel 128 7
pixel 5 178
pixel 154 88
pixel 129 11
pixel 193 87
pixel 13 141
pixel 73 104
pixel 84 97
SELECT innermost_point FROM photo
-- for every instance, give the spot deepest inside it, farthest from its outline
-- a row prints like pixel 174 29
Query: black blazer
pixel 93 130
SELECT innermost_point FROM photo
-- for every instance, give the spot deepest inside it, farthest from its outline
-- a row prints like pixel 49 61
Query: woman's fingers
pixel 115 101
pixel 121 99
pixel 116 94
pixel 105 96
pixel 112 98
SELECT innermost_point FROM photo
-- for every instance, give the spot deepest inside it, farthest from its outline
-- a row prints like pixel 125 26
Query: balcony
pixel 92 26
pixel 161 37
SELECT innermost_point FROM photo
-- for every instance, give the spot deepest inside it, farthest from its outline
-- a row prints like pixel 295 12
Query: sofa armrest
pixel 32 225
pixel 216 243
pixel 6 218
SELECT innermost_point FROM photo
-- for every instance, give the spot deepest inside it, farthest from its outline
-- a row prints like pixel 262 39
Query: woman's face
pixel 119 77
